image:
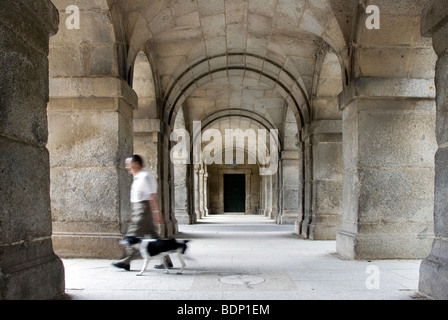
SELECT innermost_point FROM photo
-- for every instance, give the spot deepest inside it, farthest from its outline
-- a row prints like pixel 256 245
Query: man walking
pixel 145 210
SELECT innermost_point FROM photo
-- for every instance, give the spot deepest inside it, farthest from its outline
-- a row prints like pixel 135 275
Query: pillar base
pixel 288 217
pixel 31 271
pixel 183 217
pixel 381 246
pixel 433 281
pixel 87 245
pixel 298 227
pixel 324 227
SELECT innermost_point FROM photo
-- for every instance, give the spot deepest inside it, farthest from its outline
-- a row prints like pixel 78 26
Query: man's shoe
pixel 124 243
pixel 120 265
pixel 161 266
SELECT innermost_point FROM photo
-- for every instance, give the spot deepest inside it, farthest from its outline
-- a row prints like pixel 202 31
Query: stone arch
pixel 244 120
pixel 250 167
pixel 145 121
pixel 289 87
pixel 327 87
pixel 321 152
pixel 204 34
pixel 305 19
pixel 290 159
pixel 264 123
pixel 195 46
pixel 252 125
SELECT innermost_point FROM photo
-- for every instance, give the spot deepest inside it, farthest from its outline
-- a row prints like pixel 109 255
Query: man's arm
pixel 154 204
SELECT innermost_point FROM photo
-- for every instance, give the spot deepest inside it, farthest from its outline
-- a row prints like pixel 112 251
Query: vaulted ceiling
pixel 256 59
pixel 276 62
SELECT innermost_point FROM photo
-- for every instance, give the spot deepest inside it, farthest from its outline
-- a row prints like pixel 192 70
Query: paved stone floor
pixel 247 257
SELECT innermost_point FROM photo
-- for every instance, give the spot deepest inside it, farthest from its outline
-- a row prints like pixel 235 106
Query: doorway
pixel 235 193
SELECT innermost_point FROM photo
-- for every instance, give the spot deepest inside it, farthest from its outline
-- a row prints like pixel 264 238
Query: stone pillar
pixel 91 133
pixel 166 181
pixel 150 142
pixel 307 191
pixel 274 200
pixel 323 216
pixel 434 268
pixel 90 125
pixel 196 191
pixel 262 195
pixel 266 195
pixel 388 150
pixel 205 193
pixel 290 187
pixel 301 181
pixel 29 269
pixel 270 195
pixel 201 193
pixel 181 207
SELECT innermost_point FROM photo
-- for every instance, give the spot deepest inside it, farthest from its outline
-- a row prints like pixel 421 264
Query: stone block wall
pixel 388 148
pixel 29 269
pixel 90 121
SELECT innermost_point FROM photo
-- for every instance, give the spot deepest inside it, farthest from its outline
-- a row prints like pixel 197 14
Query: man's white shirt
pixel 143 185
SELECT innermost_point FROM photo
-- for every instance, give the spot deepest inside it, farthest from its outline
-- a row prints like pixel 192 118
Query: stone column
pixel 90 124
pixel 388 150
pixel 181 206
pixel 266 195
pixel 290 187
pixel 91 133
pixel 270 191
pixel 205 193
pixel 151 142
pixel 262 195
pixel 323 216
pixel 301 181
pixel 166 182
pixel 274 201
pixel 434 268
pixel 307 191
pixel 29 269
pixel 196 191
pixel 201 193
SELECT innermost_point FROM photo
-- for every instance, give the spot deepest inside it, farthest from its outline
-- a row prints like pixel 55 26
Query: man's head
pixel 134 164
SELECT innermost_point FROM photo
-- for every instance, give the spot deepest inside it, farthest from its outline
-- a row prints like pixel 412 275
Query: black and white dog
pixel 159 248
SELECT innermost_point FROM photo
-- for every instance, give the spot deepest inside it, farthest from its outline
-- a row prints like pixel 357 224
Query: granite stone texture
pixel 29 269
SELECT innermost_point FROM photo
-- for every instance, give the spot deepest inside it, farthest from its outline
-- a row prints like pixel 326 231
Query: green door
pixel 234 193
